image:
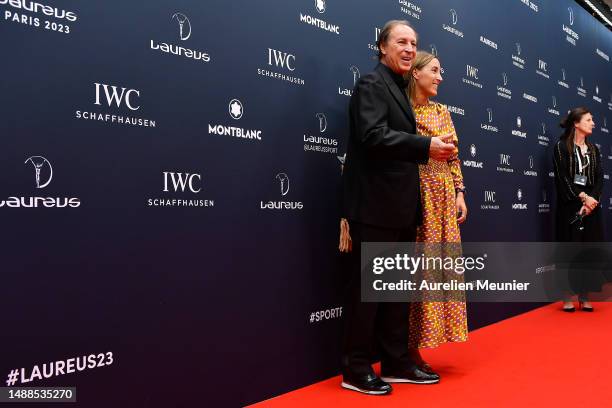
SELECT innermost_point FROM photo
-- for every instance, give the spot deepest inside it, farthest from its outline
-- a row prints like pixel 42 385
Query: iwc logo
pixel 490 202
pixel 181 187
pixel 283 61
pixel 471 76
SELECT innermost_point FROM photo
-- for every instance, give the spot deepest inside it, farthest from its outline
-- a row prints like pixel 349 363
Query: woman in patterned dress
pixel 442 197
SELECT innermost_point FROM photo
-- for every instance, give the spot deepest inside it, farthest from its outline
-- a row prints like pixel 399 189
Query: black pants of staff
pixel 370 325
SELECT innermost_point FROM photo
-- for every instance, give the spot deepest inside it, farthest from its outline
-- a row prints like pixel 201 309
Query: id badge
pixel 580 180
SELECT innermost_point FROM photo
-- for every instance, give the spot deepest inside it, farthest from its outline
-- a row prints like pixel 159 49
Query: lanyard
pixel 580 166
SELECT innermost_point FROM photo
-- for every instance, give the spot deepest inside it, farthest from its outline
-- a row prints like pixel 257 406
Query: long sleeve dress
pixel 434 323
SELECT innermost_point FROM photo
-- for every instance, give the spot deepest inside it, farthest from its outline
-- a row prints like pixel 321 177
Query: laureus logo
pixel 571 15
pixel 433 49
pixel 554 101
pixel 322 122
pixel 43 170
pixel 43 174
pixel 454 17
pixel 518 49
pixel 284 183
pixel 519 194
pixel 356 74
pixel 473 150
pixel 284 190
pixel 320 6
pixel 519 122
pixel 505 78
pixel 184 31
pixel 235 109
pixel 489 126
pixel 184 25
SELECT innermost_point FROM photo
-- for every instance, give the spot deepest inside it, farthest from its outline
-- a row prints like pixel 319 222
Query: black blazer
pixel 566 167
pixel 381 176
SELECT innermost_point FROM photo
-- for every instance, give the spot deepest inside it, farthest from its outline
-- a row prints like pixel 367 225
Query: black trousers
pixel 373 325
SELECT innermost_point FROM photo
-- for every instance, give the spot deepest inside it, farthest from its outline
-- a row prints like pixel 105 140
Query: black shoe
pixel 414 375
pixel 427 368
pixel 586 308
pixel 367 384
pixel 569 309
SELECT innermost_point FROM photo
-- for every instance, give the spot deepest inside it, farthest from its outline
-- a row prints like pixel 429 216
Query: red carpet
pixel 543 358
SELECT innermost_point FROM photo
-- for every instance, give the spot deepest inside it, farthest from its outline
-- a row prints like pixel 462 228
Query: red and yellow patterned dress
pixel 434 323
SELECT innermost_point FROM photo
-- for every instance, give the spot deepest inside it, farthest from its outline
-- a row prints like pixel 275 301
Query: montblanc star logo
pixel 235 109
pixel 320 6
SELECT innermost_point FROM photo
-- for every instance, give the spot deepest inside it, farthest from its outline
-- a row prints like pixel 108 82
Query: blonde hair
pixel 420 61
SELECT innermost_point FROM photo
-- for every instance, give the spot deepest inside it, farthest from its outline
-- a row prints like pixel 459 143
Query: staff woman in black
pixel 579 182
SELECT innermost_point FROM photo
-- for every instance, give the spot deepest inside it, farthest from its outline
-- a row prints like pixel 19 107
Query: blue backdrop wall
pixel 169 177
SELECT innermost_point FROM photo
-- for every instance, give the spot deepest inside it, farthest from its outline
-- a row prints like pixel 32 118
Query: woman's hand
pixel 590 202
pixel 585 210
pixel 461 208
pixel 346 243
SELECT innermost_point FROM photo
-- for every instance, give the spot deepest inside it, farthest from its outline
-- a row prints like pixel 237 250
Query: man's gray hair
pixel 386 30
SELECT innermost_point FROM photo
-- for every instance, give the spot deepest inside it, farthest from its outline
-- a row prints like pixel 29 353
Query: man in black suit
pixel 381 200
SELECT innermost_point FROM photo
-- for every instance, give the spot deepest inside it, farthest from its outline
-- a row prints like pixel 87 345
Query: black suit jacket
pixel 381 175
